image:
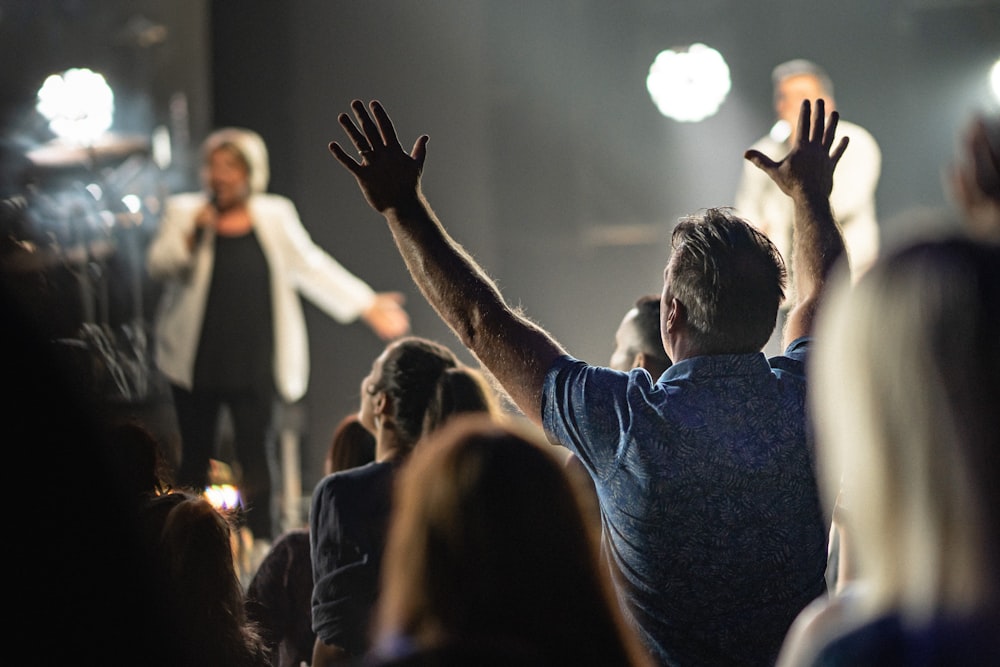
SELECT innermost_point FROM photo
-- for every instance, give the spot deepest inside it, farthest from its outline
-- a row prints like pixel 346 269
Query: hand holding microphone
pixel 207 217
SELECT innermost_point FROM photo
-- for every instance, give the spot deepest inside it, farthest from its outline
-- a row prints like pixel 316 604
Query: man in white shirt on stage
pixel 759 200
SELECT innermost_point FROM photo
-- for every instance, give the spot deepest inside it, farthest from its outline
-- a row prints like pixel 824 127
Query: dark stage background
pixel 547 158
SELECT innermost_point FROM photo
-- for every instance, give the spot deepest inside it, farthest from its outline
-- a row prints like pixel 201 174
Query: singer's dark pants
pixel 250 410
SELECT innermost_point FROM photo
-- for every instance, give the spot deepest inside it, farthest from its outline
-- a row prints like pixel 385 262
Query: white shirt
pixel 762 203
pixel 297 265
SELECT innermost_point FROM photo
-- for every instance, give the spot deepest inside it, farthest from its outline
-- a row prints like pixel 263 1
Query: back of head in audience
pixel 907 375
pixel 413 386
pixel 352 445
pixel 190 544
pixel 488 551
pixel 87 579
pixel 638 341
pixel 459 391
pixel 135 456
pixel 396 394
pixel 731 279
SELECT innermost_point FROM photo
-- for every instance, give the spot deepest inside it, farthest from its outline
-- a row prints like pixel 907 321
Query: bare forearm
pixel 818 248
pixel 515 350
pixel 819 244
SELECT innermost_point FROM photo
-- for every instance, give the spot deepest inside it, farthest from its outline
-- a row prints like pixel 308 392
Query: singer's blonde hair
pixel 249 145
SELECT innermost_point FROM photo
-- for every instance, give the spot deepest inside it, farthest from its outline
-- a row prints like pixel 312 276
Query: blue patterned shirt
pixel 707 488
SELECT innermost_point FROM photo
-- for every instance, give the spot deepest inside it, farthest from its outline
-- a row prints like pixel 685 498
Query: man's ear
pixel 381 403
pixel 676 316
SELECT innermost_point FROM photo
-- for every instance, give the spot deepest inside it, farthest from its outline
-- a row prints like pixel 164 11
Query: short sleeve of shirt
pixel 793 361
pixel 582 399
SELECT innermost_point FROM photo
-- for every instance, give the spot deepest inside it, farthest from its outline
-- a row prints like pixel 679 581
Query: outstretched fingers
pixel 830 135
pixel 831 131
pixel 373 140
pixel 419 151
pixel 344 158
pixel 760 160
pixel 359 140
pixel 803 132
pixel 839 151
pixel 819 123
pixel 385 127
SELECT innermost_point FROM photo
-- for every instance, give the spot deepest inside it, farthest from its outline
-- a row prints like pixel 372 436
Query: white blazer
pixel 762 203
pixel 297 266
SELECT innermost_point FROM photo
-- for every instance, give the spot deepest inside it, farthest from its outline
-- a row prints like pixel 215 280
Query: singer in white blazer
pixel 217 251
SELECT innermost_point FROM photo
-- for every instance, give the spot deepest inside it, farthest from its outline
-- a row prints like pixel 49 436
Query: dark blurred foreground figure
pixel 90 573
pixel 705 477
pixel 190 545
pixel 279 597
pixel 136 458
pixel 490 560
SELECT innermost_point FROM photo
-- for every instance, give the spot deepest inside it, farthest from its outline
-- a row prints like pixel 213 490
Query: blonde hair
pixel 905 375
pixel 249 146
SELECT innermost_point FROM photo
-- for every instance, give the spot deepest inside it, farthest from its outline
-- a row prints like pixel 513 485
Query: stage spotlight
pixel 78 104
pixel 689 84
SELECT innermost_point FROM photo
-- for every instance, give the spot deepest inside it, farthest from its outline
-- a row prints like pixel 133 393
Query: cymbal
pixel 57 154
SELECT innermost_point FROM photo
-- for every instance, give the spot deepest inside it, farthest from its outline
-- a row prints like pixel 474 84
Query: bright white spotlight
pixel 132 203
pixel 78 105
pixel 689 84
pixel 995 79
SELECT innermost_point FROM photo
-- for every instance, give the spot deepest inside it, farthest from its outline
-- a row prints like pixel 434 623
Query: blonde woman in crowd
pixel 906 377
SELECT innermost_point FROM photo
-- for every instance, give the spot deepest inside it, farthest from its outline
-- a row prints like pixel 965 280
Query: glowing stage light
pixel 78 104
pixel 689 84
pixel 132 202
pixel 223 496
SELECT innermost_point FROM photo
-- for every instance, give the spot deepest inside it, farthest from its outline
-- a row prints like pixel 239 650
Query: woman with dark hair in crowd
pixel 413 386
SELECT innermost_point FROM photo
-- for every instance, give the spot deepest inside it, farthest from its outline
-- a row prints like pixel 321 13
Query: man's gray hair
pixel 800 67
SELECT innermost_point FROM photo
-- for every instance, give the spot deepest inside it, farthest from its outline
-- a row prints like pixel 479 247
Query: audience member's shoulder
pixel 825 619
pixel 943 642
pixel 793 359
pixel 343 481
pixel 290 539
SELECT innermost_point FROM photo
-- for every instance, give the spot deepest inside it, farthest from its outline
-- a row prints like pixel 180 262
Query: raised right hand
pixel 808 167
